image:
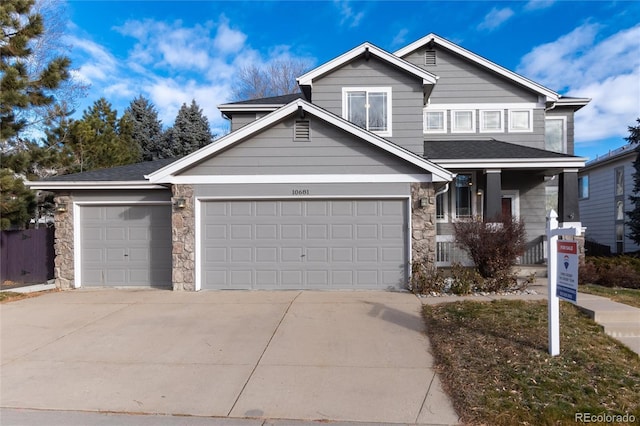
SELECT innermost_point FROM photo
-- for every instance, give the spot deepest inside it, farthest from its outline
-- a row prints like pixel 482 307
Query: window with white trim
pixel 555 134
pixel 463 196
pixel 520 120
pixel 463 121
pixel 491 121
pixel 435 121
pixel 442 207
pixel 368 107
pixel 619 181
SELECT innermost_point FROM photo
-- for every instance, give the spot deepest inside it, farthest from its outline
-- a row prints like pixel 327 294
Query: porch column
pixel 493 194
pixel 568 210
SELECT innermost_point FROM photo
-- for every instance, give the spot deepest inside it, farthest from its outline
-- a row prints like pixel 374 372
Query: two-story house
pixel 605 185
pixel 343 185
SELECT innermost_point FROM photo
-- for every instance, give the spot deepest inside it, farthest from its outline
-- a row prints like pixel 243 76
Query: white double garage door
pixel 265 244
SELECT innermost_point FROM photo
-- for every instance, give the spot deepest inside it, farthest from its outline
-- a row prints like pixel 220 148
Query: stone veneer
pixel 183 237
pixel 423 224
pixel 63 263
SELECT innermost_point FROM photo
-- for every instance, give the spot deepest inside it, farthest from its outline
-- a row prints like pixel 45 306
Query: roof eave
pixel 327 67
pixel 67 185
pixel 510 163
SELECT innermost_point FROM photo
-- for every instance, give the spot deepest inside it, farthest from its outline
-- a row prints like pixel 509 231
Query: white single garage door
pixel 294 244
pixel 126 245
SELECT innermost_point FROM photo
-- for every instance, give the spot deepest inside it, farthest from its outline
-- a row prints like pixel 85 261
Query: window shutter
pixel 430 57
pixel 301 131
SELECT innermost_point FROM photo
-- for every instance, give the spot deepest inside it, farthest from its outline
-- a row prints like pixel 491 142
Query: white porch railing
pixel 447 253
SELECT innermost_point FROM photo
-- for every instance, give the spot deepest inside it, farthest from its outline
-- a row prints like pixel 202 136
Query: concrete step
pixel 605 311
pixel 622 329
pixel 632 343
pixel 524 271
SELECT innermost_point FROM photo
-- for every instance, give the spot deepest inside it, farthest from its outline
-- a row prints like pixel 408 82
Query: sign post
pixel 562 281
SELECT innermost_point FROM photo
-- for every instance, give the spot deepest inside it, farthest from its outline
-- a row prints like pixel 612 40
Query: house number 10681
pixel 299 192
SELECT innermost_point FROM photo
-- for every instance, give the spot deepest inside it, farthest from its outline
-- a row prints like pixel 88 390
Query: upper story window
pixel 583 187
pixel 435 121
pixel 491 121
pixel 368 107
pixel 555 134
pixel 620 181
pixel 520 120
pixel 463 121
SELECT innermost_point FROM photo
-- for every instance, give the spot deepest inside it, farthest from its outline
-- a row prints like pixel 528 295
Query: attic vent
pixel 430 57
pixel 301 131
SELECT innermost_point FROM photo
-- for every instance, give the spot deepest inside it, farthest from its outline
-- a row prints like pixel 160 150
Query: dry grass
pixel 628 296
pixel 10 296
pixel 494 363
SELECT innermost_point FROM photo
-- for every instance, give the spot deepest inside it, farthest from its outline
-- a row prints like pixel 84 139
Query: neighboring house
pixel 605 185
pixel 341 186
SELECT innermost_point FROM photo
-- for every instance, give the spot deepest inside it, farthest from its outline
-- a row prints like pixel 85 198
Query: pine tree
pixel 146 127
pixel 17 203
pixel 189 133
pixel 99 140
pixel 19 90
pixel 634 215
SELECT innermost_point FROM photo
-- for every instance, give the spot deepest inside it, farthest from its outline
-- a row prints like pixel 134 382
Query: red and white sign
pixel 567 270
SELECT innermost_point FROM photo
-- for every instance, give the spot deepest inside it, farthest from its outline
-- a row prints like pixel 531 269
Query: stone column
pixel 183 239
pixel 423 224
pixel 64 271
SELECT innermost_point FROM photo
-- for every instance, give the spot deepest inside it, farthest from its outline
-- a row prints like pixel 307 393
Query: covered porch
pixel 497 179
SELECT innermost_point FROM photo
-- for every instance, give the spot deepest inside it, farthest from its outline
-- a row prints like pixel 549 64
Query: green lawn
pixel 494 363
pixel 628 296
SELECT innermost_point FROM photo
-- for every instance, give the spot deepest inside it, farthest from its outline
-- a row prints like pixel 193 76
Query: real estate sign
pixel 567 270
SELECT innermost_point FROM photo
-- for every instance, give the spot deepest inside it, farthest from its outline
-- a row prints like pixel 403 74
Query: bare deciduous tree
pixel 275 79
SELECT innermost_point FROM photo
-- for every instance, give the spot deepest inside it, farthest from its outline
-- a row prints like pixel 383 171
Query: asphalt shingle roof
pixel 273 100
pixel 130 172
pixel 484 149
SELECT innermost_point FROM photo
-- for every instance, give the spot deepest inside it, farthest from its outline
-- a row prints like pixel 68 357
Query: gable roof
pixel 130 176
pixel 167 174
pixel 483 62
pixel 366 49
pixel 491 153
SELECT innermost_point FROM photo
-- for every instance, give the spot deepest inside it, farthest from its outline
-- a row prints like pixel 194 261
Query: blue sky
pixel 175 51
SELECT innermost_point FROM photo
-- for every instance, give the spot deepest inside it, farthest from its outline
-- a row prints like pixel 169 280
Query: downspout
pixel 444 189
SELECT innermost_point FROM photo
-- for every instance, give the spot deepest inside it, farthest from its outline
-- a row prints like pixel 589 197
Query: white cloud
pixel 495 18
pixel 347 15
pixel 400 37
pixel 171 64
pixel 584 64
pixel 538 4
pixel 228 40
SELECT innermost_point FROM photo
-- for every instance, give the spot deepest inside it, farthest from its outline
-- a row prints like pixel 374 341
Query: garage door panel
pixel 240 232
pixel 125 245
pixel 304 244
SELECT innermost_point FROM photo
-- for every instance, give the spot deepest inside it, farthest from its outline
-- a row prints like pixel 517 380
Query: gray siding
pixel 284 190
pixel 124 196
pixel 461 81
pixel 598 211
pixel 330 151
pixel 239 120
pixel 407 96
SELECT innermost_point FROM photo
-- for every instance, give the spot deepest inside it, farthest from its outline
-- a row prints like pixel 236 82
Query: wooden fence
pixel 27 256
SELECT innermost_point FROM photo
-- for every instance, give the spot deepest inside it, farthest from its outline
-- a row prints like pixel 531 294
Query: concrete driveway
pixel 342 356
